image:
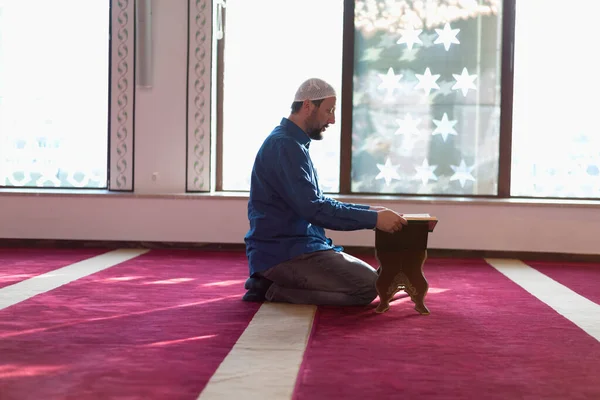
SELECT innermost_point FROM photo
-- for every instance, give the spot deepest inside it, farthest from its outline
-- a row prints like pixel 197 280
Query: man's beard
pixel 315 134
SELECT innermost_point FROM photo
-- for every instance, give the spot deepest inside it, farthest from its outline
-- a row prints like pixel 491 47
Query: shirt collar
pixel 296 132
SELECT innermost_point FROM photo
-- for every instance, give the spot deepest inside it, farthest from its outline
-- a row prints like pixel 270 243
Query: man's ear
pixel 306 105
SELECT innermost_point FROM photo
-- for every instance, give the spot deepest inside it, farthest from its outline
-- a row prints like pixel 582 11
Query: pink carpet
pixel 582 278
pixel 158 326
pixel 155 327
pixel 486 338
pixel 20 264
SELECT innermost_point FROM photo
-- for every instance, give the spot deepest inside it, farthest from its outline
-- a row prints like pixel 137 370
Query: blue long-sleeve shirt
pixel 287 210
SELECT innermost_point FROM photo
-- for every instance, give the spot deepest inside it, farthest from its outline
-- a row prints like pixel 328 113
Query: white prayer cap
pixel 314 89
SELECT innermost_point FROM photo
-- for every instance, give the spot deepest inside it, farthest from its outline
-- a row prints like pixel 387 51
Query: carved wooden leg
pixel 386 288
pixel 414 260
pixel 402 270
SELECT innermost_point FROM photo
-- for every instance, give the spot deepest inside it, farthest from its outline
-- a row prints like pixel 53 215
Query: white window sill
pixel 354 198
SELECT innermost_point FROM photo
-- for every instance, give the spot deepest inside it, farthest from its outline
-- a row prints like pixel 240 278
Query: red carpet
pixel 582 278
pixel 158 327
pixel 486 338
pixel 19 264
pixel 155 327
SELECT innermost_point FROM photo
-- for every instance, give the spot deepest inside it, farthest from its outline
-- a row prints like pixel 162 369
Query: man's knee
pixel 367 293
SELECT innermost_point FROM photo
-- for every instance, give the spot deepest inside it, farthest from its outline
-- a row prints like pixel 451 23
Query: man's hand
pixel 390 221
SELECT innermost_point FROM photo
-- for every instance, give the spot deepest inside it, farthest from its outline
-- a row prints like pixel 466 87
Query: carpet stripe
pixel 265 361
pixel 576 308
pixel 19 264
pixel 13 294
pixel 580 277
pixel 155 327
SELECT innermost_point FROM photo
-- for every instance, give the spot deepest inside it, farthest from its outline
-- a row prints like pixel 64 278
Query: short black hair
pixel 297 105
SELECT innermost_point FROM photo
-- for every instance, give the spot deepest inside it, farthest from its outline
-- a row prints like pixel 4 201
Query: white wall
pixel 161 211
pixel 203 218
pixel 160 130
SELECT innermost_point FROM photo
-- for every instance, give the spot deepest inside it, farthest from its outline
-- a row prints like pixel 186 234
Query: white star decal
pixel 408 126
pixel 464 82
pixel 462 173
pixel 390 81
pixel 410 37
pixel 425 172
pixel 427 81
pixel 445 127
pixel 387 172
pixel 447 36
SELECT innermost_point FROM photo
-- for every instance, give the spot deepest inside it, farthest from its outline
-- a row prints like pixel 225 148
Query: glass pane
pixel 54 89
pixel 267 57
pixel 426 97
pixel 556 138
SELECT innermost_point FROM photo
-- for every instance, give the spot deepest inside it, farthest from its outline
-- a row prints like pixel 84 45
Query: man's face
pixel 320 118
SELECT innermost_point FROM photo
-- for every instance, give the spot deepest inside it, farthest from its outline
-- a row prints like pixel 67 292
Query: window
pixel 270 48
pixel 54 88
pixel 426 112
pixel 458 98
pixel 555 140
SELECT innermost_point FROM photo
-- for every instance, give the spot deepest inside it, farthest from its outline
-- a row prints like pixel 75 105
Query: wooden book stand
pixel 401 256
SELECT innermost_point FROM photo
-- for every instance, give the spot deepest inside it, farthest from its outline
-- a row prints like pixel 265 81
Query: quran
pixel 431 220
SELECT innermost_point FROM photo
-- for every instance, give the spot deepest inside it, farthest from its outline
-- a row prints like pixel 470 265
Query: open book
pixel 419 217
pixel 422 217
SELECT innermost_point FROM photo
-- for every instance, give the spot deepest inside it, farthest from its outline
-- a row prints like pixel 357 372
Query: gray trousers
pixel 322 278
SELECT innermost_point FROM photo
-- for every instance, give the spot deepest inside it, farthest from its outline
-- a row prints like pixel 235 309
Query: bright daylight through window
pixel 556 137
pixel 271 47
pixel 426 97
pixel 54 93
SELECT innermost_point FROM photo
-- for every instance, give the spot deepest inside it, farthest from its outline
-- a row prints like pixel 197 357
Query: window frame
pixel 121 96
pixel 199 97
pixel 506 106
